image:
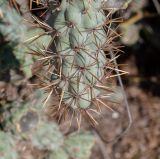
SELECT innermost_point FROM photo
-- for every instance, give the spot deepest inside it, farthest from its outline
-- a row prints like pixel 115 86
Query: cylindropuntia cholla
pixel 79 66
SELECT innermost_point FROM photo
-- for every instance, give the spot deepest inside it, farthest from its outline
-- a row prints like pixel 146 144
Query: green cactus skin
pixel 7 146
pixel 78 44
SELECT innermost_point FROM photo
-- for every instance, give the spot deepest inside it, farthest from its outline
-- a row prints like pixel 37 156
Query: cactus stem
pixel 75 61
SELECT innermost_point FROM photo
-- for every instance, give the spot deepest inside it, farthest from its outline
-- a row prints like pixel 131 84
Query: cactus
pixel 11 26
pixel 19 41
pixel 11 35
pixel 32 42
pixel 79 46
pixel 78 60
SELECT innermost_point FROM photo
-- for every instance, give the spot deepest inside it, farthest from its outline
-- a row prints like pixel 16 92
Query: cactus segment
pixel 81 33
pixel 80 25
